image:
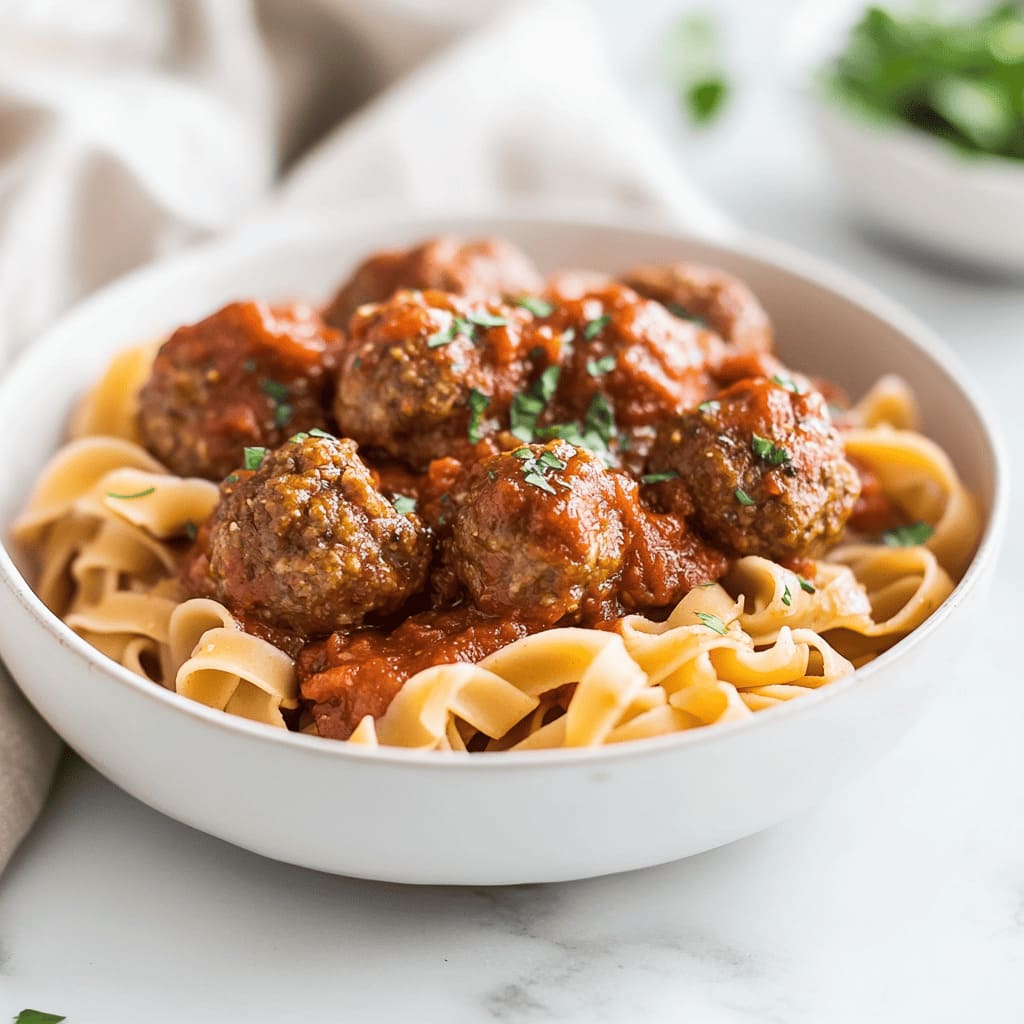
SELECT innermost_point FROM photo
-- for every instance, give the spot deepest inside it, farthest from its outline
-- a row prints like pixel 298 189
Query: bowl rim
pixel 291 230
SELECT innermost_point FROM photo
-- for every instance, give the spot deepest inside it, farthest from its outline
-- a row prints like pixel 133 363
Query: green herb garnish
pixel 403 504
pixel 484 319
pixel 282 414
pixel 709 407
pixel 768 452
pixel 785 382
pixel 477 402
pixel 596 326
pixel 684 314
pixel 600 419
pixel 128 497
pixel 38 1017
pixel 598 367
pixel 254 457
pixel 712 622
pixel 659 478
pixel 191 530
pixel 705 99
pixel 274 389
pixel 805 585
pixel 907 536
pixel 693 58
pixel 787 597
pixel 528 405
pixel 743 498
pixel 231 478
pixel 537 306
pixel 535 468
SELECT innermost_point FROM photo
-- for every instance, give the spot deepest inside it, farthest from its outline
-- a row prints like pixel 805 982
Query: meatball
pixel 486 268
pixel 537 533
pixel 724 303
pixel 626 362
pixel 761 467
pixel 250 375
pixel 428 374
pixel 307 544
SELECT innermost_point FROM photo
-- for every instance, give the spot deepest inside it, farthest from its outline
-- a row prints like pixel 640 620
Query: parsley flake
pixel 536 305
pixel 528 405
pixel 596 326
pixel 600 419
pixel 907 536
pixel 713 622
pixel 274 389
pixel 484 319
pixel 597 367
pixel 538 480
pixel 549 460
pixel 709 407
pixel 317 432
pixel 785 382
pixel 282 414
pixel 787 597
pixel 478 402
pixel 191 530
pixel 805 585
pixel 743 498
pixel 683 314
pixel 403 504
pixel 231 478
pixel 659 478
pixel 38 1017
pixel 768 452
pixel 254 457
pixel 128 497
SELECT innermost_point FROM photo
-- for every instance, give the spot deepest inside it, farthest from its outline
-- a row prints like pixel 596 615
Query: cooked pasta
pixel 112 532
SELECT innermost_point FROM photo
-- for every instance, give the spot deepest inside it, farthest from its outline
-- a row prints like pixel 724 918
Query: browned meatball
pixel 249 375
pixel 486 268
pixel 762 469
pixel 721 301
pixel 537 533
pixel 307 544
pixel 626 362
pixel 428 374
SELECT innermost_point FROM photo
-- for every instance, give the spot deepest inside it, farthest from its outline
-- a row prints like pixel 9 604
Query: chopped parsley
pixel 484 319
pixel 491 475
pixel 536 468
pixel 282 414
pixel 478 402
pixel 709 407
pixel 907 536
pixel 315 432
pixel 704 99
pixel 659 478
pixel 191 530
pixel 274 389
pixel 743 498
pixel 598 367
pixel 528 405
pixel 805 585
pixel 768 452
pixel 596 326
pixel 600 419
pixel 446 335
pixel 254 457
pixel 713 622
pixel 683 314
pixel 231 478
pixel 128 497
pixel 403 504
pixel 568 336
pixel 787 597
pixel 536 305
pixel 38 1017
pixel 789 385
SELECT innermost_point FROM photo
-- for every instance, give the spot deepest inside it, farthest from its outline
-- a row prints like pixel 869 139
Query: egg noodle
pixel 107 528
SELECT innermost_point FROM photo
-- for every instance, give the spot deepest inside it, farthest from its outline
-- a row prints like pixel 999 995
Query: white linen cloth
pixel 129 128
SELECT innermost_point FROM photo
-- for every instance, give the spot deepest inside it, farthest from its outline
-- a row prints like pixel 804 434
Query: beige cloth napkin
pixel 129 128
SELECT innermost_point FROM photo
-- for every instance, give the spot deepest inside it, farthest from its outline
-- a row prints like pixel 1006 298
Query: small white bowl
pixel 907 184
pixel 480 819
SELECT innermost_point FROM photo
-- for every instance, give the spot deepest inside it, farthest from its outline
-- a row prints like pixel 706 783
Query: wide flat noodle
pixel 109 408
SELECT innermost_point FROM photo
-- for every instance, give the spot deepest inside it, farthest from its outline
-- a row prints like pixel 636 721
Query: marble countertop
pixel 900 900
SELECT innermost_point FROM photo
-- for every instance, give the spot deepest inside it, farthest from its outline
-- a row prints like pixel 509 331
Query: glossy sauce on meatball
pixel 249 375
pixel 761 467
pixel 307 544
pixel 487 268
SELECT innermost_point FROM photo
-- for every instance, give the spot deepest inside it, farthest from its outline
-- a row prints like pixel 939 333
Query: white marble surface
pixel 901 900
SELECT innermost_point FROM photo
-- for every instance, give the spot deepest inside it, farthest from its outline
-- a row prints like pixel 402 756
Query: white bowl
pixel 478 819
pixel 907 184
